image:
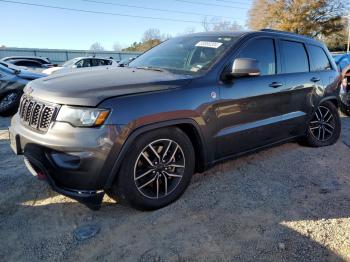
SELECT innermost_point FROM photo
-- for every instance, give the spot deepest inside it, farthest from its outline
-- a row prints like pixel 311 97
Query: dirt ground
pixel 288 203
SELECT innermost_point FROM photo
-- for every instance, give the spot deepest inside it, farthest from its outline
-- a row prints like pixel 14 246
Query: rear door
pixel 320 65
pixel 249 112
pixel 300 84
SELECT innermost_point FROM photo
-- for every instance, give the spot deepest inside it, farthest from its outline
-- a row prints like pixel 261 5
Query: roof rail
pixel 282 32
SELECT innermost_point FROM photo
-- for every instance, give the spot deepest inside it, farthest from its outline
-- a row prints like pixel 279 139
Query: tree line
pixel 324 20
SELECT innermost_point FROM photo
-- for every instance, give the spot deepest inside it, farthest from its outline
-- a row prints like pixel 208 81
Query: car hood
pixel 50 70
pixel 90 87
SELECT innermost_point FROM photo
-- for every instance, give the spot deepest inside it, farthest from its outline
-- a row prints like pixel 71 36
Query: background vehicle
pixel 343 62
pixel 32 63
pixel 80 62
pixel 12 82
pixel 39 59
pixel 140 132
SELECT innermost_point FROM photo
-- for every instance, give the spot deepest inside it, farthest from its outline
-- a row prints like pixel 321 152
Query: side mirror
pixel 245 67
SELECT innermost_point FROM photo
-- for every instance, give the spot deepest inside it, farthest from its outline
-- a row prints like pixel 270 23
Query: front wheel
pixel 157 169
pixel 324 127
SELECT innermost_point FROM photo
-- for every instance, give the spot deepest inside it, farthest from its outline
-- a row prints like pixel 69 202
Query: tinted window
pixel 319 59
pixel 86 62
pixel 105 62
pixel 95 62
pixel 27 63
pixel 294 57
pixel 262 50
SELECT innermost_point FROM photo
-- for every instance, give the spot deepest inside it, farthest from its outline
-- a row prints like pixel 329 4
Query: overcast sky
pixel 34 26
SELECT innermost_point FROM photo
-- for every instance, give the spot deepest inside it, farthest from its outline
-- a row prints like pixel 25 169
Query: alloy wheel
pixel 159 168
pixel 322 125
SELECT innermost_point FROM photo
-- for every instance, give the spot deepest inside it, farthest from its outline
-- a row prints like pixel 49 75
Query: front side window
pixel 187 55
pixel 319 59
pixel 294 57
pixel 263 50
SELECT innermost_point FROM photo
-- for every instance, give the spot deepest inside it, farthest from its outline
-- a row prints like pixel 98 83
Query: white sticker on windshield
pixel 209 44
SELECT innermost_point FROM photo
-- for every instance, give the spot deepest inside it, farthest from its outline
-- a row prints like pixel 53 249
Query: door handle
pixel 315 79
pixel 275 84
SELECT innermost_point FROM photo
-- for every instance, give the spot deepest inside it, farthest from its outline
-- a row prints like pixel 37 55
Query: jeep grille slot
pixel 36 115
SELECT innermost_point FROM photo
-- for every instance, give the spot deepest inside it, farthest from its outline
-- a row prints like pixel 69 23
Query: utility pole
pixel 348 48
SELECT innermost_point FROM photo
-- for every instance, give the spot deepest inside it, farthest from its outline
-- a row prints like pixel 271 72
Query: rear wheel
pixel 9 102
pixel 324 127
pixel 156 171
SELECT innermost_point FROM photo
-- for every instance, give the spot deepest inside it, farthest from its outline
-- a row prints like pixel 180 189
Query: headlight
pixel 82 117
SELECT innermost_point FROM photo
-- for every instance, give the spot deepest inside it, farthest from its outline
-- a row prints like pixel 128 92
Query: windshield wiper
pixel 152 68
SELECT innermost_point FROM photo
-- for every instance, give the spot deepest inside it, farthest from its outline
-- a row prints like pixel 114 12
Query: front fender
pixel 120 148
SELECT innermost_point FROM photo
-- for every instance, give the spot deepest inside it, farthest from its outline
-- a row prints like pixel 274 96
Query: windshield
pixel 189 55
pixel 71 62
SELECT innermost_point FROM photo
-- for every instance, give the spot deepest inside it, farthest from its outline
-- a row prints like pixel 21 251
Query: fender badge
pixel 213 95
pixel 28 90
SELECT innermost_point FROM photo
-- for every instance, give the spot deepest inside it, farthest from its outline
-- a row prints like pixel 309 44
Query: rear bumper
pixel 75 161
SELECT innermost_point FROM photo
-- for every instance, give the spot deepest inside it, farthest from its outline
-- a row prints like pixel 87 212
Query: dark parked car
pixel 343 62
pixel 140 132
pixel 12 82
pixel 31 65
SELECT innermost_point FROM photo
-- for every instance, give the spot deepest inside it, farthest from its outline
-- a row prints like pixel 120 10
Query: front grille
pixel 36 115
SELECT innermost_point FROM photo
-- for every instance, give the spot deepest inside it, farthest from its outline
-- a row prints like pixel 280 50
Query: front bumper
pixel 74 160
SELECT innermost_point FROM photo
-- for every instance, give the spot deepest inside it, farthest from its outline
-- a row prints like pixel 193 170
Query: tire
pixel 9 103
pixel 147 187
pixel 324 127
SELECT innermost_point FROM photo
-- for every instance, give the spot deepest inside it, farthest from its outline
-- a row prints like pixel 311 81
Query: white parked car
pixel 81 62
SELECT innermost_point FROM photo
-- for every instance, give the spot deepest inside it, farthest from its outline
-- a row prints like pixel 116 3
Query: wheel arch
pixel 188 126
pixel 332 99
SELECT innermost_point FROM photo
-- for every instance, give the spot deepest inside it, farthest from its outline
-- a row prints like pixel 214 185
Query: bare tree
pixel 151 34
pixel 188 30
pixel 226 26
pixel 223 25
pixel 205 24
pixel 96 47
pixel 117 46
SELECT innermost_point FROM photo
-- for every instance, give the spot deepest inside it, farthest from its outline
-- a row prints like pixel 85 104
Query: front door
pixel 249 112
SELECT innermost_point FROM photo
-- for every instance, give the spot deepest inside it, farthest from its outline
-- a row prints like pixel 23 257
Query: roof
pixel 221 33
pixel 262 32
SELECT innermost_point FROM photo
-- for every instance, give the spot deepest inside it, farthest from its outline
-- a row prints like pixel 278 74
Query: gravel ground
pixel 285 203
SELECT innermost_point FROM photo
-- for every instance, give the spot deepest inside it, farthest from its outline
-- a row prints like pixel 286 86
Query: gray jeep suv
pixel 138 133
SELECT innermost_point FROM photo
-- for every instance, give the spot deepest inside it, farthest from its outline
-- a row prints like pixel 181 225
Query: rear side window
pixel 27 63
pixel 95 62
pixel 318 58
pixel 294 57
pixel 262 50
